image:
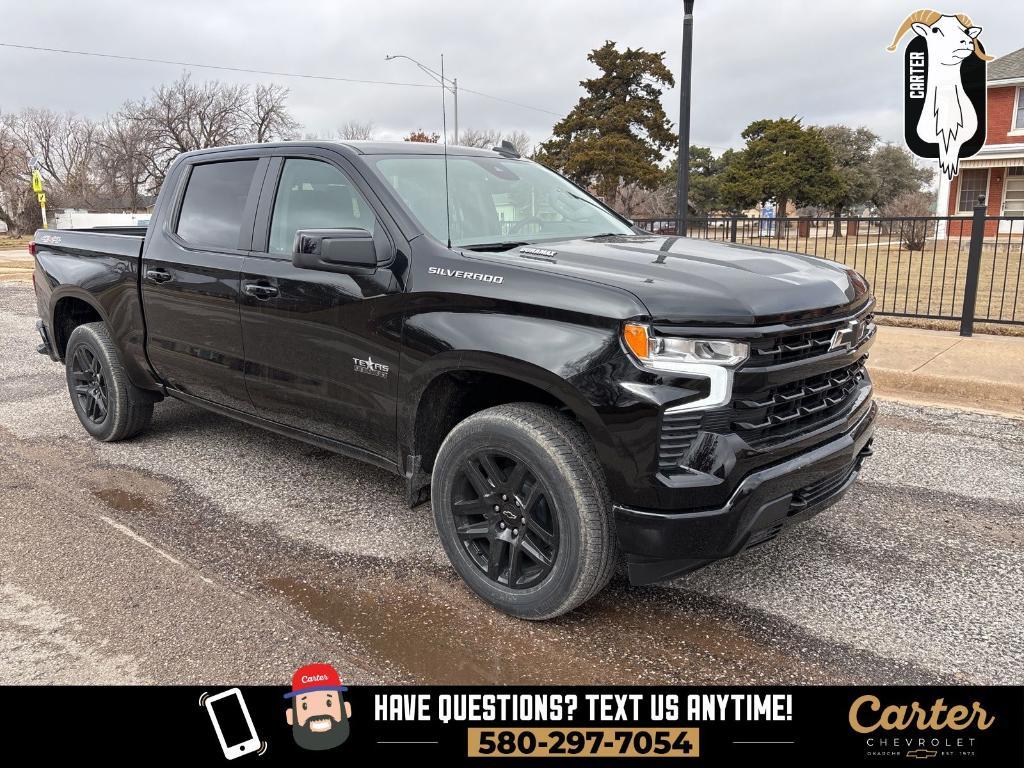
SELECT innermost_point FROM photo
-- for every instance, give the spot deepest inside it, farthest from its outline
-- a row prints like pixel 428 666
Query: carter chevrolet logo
pixel 369 367
pixel 847 336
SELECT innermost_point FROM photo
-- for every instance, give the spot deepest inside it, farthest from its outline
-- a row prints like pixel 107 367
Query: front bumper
pixel 659 545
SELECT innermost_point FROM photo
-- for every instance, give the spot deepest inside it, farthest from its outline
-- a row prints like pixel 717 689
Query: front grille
pixel 788 411
pixel 799 345
pixel 784 412
pixel 678 431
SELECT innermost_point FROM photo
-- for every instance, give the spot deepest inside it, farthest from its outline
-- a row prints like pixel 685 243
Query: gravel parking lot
pixel 210 551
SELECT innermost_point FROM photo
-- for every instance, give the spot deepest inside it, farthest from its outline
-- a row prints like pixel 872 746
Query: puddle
pixel 446 639
pixel 440 634
pixel 124 501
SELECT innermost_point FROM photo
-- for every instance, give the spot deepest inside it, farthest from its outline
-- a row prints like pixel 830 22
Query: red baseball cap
pixel 315 677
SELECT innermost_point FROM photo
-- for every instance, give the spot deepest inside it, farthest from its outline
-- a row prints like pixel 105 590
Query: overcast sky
pixel 823 61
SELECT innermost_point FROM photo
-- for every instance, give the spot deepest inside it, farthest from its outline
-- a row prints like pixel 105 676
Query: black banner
pixel 479 726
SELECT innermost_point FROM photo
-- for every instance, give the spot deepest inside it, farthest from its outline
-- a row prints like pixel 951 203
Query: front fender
pixel 578 363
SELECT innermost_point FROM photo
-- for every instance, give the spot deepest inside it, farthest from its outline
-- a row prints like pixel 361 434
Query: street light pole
pixel 683 177
pixel 449 84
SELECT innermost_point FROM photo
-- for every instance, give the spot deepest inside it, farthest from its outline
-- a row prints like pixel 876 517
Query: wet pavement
pixel 208 550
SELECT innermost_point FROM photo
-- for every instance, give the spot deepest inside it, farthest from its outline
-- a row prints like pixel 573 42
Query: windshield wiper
pixel 501 246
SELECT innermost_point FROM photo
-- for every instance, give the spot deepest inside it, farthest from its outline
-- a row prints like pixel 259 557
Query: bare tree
pixel 65 146
pixel 269 120
pixel 115 163
pixel 520 140
pixel 484 139
pixel 123 161
pixel 635 200
pixel 488 137
pixel 354 130
pixel 13 176
pixel 186 116
pixel 906 216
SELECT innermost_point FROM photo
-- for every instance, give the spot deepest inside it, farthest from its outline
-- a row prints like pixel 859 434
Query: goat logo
pixel 944 96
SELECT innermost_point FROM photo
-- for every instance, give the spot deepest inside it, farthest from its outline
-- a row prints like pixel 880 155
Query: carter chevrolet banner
pixel 318 718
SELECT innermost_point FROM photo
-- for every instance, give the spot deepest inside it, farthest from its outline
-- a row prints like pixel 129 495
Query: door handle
pixel 158 275
pixel 260 290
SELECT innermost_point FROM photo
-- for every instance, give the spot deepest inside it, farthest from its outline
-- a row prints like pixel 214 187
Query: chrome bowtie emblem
pixel 847 336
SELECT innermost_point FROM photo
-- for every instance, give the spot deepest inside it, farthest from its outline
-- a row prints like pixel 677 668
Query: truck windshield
pixel 494 201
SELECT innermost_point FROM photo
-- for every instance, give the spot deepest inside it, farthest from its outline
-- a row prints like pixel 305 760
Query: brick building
pixel 997 171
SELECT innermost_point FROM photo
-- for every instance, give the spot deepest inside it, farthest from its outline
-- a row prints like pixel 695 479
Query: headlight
pixel 671 353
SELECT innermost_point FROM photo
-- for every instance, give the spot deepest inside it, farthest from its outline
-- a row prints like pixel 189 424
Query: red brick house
pixel 997 171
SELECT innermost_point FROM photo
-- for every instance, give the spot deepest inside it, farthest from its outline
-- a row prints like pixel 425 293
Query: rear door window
pixel 211 212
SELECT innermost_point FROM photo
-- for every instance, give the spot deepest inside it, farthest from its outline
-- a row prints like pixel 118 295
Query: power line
pixel 245 70
pixel 509 101
pixel 121 57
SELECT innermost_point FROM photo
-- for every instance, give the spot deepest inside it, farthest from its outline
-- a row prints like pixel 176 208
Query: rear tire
pixel 109 406
pixel 550 544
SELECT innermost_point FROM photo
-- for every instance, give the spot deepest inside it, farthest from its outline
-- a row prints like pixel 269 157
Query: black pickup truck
pixel 567 390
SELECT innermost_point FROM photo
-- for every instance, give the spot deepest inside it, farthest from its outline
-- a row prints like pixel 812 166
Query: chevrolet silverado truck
pixel 568 391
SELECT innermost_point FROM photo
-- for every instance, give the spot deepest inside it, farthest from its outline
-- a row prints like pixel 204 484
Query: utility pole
pixel 449 84
pixel 683 177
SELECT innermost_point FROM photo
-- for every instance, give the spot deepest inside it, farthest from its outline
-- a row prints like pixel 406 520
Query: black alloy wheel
pixel 505 518
pixel 522 509
pixel 90 385
pixel 109 406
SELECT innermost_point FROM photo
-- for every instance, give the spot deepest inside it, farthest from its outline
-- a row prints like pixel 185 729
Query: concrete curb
pixel 955 391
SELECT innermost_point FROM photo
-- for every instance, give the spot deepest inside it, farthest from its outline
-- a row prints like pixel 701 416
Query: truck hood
pixel 686 280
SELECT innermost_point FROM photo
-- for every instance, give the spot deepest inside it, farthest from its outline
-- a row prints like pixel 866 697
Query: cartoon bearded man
pixel 318 715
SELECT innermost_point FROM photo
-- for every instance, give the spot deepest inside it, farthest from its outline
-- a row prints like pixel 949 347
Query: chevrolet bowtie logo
pixel 847 335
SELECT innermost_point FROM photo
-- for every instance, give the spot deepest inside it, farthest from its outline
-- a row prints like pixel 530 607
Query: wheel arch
pixel 466 383
pixel 72 308
pixel 72 305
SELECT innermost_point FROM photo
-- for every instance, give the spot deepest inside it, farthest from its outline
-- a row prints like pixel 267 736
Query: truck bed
pixel 124 242
pixel 83 271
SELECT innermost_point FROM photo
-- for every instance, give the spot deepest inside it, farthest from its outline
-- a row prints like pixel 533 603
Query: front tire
pixel 109 406
pixel 522 509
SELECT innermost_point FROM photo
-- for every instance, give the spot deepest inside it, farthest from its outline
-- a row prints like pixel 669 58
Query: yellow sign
pixel 37 182
pixel 41 197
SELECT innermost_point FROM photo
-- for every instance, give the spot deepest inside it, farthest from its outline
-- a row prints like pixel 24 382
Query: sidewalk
pixel 944 368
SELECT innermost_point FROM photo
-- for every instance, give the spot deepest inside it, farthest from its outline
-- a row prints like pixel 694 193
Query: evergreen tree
pixel 618 132
pixel 782 161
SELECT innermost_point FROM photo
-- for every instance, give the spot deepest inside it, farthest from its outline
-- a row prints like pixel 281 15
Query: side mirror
pixel 348 251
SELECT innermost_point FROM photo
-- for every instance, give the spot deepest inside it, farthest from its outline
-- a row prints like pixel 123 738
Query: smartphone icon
pixel 231 721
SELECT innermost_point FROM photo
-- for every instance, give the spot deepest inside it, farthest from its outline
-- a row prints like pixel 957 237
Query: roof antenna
pixel 444 131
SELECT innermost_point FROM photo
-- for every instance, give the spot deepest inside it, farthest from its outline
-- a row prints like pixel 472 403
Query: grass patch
pixel 8 242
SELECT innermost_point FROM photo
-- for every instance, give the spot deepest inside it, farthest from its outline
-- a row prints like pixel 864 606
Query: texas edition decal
pixel 944 110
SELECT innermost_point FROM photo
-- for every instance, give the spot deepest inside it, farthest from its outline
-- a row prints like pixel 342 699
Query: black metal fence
pixel 962 268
